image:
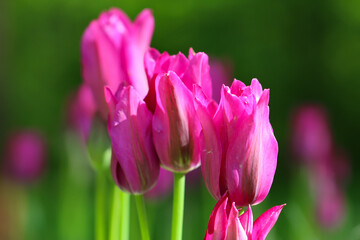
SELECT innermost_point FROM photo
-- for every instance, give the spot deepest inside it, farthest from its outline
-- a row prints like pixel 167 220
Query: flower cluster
pixel 160 113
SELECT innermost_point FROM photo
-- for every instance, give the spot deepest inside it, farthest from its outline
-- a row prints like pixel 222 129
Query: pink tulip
pixel 112 50
pixel 238 146
pixel 176 128
pixel 81 110
pixel 312 138
pixel 25 156
pixel 226 224
pixel 134 163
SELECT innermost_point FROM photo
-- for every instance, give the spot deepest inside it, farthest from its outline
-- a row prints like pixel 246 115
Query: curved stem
pixel 140 205
pixel 178 206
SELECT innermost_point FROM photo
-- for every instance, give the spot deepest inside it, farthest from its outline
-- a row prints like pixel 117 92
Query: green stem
pixel 140 205
pixel 178 206
pixel 125 215
pixel 100 205
pixel 119 228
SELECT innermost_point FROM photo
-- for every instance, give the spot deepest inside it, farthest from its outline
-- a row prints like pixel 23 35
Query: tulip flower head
pixel 226 224
pixel 238 146
pixel 176 128
pixel 25 156
pixel 112 50
pixel 134 163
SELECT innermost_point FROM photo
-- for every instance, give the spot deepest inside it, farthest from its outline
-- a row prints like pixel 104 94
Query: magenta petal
pixel 130 134
pixel 265 222
pixel 99 64
pixel 246 220
pixel 144 24
pixel 269 147
pixel 235 230
pixel 176 128
pixel 211 151
pixel 218 221
pixel 198 73
pixel 150 59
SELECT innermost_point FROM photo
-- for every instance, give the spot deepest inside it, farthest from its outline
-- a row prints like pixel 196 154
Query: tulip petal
pixel 218 220
pixel 235 230
pixel 130 134
pixel 268 149
pixel 211 151
pixel 144 24
pixel 99 63
pixel 176 128
pixel 264 223
pixel 246 220
pixel 198 73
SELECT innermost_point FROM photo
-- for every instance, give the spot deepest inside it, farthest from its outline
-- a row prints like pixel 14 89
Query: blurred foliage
pixel 305 51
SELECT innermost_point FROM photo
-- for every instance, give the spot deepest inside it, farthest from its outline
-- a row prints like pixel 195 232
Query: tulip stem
pixel 178 206
pixel 119 228
pixel 100 206
pixel 140 205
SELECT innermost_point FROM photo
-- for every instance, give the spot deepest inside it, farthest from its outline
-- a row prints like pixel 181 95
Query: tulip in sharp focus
pixel 226 224
pixel 238 146
pixel 25 156
pixel 112 50
pixel 134 163
pixel 176 128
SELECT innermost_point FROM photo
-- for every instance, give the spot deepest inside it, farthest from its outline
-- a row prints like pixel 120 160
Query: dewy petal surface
pixel 131 138
pixel 176 128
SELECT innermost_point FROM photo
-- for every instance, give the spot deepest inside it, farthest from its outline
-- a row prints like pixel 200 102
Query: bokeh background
pixel 304 51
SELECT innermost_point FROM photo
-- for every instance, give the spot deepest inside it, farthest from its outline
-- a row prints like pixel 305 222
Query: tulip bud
pixel 226 224
pixel 25 156
pixel 112 50
pixel 176 127
pixel 134 163
pixel 238 146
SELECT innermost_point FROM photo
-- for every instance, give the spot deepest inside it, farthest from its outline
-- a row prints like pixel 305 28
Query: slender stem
pixel 125 215
pixel 100 206
pixel 119 228
pixel 178 206
pixel 140 205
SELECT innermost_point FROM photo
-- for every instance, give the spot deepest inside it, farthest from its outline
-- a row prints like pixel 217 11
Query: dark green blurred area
pixel 304 51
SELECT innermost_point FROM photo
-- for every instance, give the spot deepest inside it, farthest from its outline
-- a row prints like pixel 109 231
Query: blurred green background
pixel 304 51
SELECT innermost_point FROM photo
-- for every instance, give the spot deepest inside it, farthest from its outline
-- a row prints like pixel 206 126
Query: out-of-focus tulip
pixel 238 146
pixel 112 50
pixel 327 167
pixel 176 128
pixel 226 224
pixel 134 163
pixel 311 139
pixel 25 156
pixel 81 110
pixel 163 185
